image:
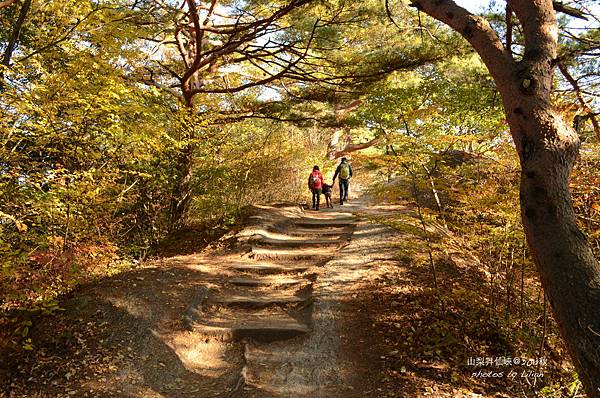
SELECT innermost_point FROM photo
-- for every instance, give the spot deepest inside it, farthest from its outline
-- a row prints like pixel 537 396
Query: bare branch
pixel 565 72
pixel 269 79
pixel 509 27
pixel 150 81
pixel 539 28
pixel 171 71
pixel 181 48
pixel 6 3
pixel 475 29
pixel 349 148
pixel 195 41
pixel 389 14
pixel 574 12
pixel 342 109
pixel 200 34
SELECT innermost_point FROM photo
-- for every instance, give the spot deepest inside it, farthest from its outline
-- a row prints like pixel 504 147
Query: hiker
pixel 315 184
pixel 344 170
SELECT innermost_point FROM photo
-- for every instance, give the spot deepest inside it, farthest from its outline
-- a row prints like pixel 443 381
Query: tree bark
pixel 182 191
pixel 568 269
pixel 16 32
pixel 547 147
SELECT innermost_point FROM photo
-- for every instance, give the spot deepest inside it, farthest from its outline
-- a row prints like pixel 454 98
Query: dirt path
pixel 264 316
pixel 275 302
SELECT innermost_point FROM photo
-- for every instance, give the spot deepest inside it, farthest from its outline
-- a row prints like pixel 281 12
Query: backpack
pixel 344 171
pixel 313 181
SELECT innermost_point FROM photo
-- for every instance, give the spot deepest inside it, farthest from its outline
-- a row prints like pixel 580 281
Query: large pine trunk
pixel 547 148
pixel 568 269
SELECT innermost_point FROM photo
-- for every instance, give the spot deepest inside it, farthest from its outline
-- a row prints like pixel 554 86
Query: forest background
pixel 122 131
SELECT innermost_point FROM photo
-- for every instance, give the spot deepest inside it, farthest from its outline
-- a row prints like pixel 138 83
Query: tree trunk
pixel 16 32
pixel 14 37
pixel 568 269
pixel 181 197
pixel 182 191
pixel 547 149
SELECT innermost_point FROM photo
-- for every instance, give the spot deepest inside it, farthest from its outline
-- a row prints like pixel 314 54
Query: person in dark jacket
pixel 344 171
pixel 315 184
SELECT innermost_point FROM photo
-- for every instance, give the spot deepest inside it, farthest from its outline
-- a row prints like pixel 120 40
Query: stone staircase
pixel 268 295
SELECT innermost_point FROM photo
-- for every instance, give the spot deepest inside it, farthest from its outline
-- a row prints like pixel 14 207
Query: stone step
pixel 297 243
pixel 298 369
pixel 265 328
pixel 256 299
pixel 329 215
pixel 286 234
pixel 314 254
pixel 269 268
pixel 313 233
pixel 325 224
pixel 267 281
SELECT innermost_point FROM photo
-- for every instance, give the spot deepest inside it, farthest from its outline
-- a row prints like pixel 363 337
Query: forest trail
pixel 265 312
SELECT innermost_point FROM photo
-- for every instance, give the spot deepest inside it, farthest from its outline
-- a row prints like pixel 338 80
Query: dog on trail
pixel 327 193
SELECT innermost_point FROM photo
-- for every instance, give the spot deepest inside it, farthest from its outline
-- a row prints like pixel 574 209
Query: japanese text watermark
pixel 507 367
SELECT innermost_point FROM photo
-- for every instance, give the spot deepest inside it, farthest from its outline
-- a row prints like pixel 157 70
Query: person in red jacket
pixel 315 184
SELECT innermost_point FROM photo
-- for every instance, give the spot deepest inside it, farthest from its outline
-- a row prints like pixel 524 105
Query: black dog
pixel 327 193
